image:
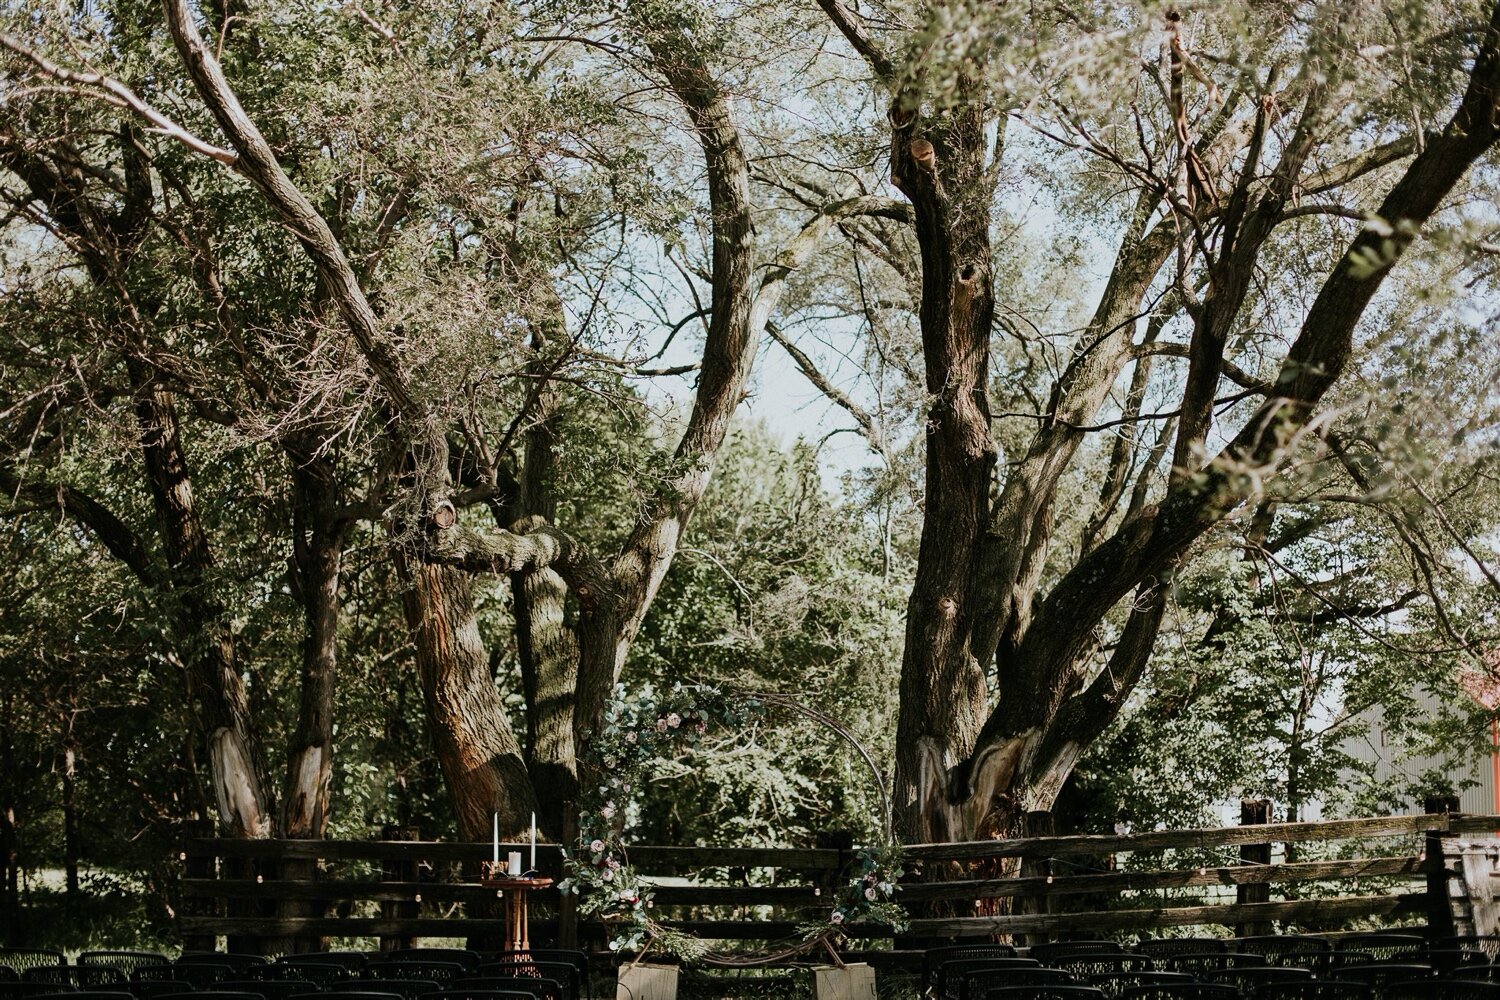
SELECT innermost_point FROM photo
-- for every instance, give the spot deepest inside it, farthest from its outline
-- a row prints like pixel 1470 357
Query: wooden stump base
pixel 850 982
pixel 646 982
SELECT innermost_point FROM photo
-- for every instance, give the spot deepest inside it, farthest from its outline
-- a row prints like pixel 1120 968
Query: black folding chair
pixel 468 960
pixel 1182 991
pixel 933 958
pixel 17 990
pixel 1043 952
pixel 408 988
pixel 199 975
pixel 1383 974
pixel 975 985
pixel 505 989
pixel 1201 963
pixel 947 977
pixel 1305 950
pixel 1327 989
pixel 500 975
pixel 237 961
pixel 413 968
pixel 271 989
pixel 1114 984
pixel 79 977
pixel 1249 977
pixel 1172 947
pixel 21 959
pixel 1450 989
pixel 1084 964
pixel 1045 992
pixel 1384 947
pixel 126 961
pixel 314 973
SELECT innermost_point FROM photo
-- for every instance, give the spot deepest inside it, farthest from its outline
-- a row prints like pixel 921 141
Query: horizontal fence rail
pixel 290 894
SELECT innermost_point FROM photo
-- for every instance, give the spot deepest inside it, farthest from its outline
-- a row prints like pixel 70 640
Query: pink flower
pixel 838 916
pixel 661 725
pixel 597 846
pixel 608 875
pixel 607 812
pixel 631 737
pixel 702 728
pixel 674 720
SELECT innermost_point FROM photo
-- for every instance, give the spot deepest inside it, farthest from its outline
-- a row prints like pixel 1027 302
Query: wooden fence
pixel 285 895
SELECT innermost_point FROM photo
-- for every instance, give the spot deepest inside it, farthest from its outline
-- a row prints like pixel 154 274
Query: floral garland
pixel 636 733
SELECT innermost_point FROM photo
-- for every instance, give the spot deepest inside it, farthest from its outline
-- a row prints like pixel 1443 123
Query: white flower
pixel 608 875
pixel 870 894
pixel 674 720
pixel 838 916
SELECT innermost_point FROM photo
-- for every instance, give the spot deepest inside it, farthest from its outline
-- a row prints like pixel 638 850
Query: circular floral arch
pixel 637 732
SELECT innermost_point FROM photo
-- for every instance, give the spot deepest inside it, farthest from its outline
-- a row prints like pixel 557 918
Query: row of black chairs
pixel 1198 969
pixel 548 974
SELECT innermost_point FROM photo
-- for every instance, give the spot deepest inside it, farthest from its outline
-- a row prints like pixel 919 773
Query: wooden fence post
pixel 1037 823
pixel 1254 812
pixel 1440 922
pixel 398 870
pixel 197 864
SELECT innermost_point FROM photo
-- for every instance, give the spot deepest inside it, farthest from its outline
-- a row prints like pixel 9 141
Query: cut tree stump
pixel 849 982
pixel 646 982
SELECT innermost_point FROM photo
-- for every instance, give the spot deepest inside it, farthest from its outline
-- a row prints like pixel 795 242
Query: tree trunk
pixel 238 766
pixel 545 641
pixel 318 555
pixel 10 869
pixel 72 830
pixel 475 746
pixel 941 169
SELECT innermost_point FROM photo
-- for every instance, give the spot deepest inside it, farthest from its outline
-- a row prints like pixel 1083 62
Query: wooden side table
pixel 517 928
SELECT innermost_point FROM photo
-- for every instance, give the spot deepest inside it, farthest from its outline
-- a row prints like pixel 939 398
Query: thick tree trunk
pixel 941 169
pixel 318 555
pixel 240 776
pixel 471 732
pixel 10 869
pixel 72 826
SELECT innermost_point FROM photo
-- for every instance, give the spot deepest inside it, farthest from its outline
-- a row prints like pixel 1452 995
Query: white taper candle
pixel 533 841
pixel 495 853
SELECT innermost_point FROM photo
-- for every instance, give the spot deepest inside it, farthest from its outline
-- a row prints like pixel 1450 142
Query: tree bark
pixel 545 641
pixel 317 557
pixel 941 168
pixel 240 775
pixel 471 733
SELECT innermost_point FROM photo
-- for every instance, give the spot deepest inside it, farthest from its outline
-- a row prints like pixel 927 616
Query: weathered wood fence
pixel 288 895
